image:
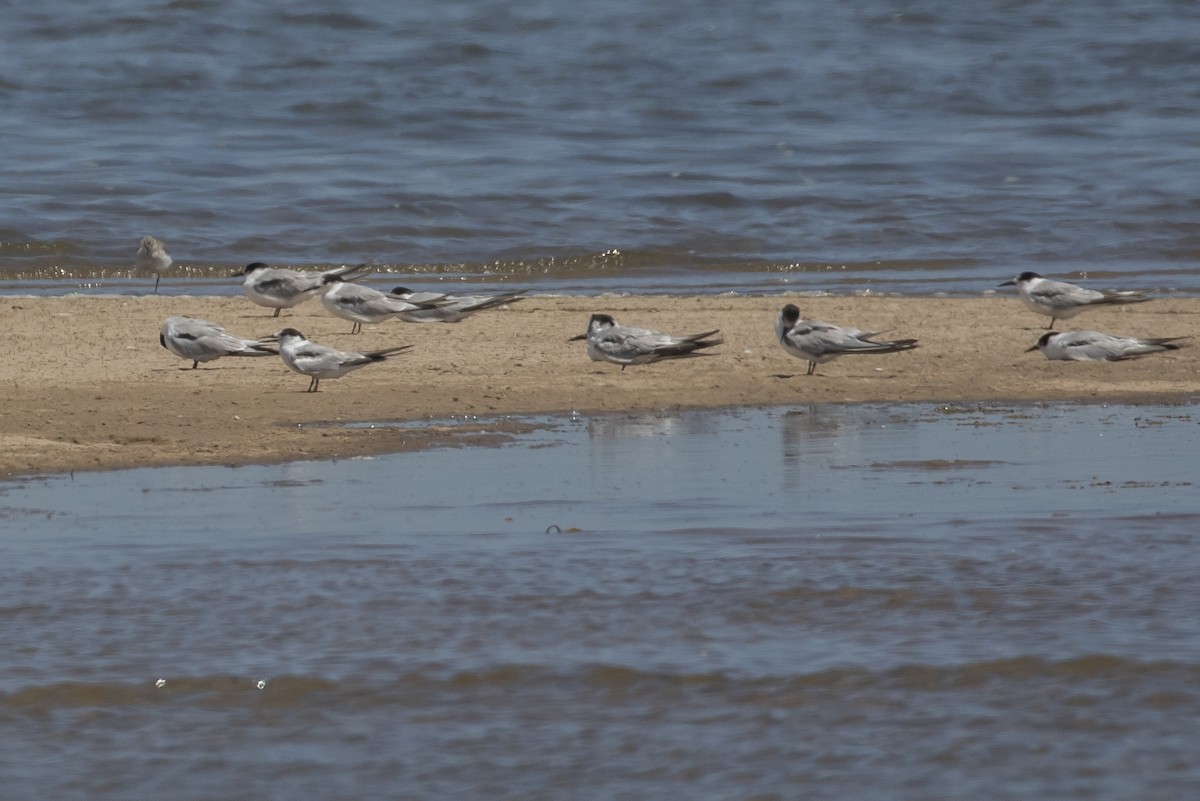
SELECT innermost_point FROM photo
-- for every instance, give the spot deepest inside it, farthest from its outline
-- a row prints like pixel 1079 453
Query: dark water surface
pixel 851 602
pixel 707 146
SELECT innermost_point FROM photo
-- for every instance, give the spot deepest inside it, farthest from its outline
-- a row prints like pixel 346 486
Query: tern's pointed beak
pixel 576 339
pixel 1030 350
pixel 1008 283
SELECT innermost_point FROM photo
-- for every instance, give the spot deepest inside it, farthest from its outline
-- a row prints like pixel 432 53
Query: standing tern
pixel 820 342
pixel 152 255
pixel 281 288
pixel 202 341
pixel 609 341
pixel 362 304
pixel 321 361
pixel 1093 346
pixel 1060 300
pixel 451 308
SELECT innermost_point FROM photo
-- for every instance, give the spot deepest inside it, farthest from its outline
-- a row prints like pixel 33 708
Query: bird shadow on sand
pixel 863 376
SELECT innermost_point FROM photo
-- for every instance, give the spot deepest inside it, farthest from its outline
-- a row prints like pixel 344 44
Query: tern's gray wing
pixel 629 344
pixel 424 297
pixel 367 301
pixel 312 358
pixel 623 344
pixel 288 283
pixel 476 302
pixel 326 362
pixel 435 310
pixel 1092 346
pixel 1133 348
pixel 463 305
pixel 281 285
pixel 199 339
pixel 1096 346
pixel 635 341
pixel 348 272
pixel 1061 296
pixel 1130 296
pixel 825 339
pixel 450 308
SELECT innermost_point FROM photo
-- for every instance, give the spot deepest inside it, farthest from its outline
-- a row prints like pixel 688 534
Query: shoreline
pixel 87 386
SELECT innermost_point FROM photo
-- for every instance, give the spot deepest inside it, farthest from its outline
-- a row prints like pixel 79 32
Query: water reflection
pixel 820 433
pixel 617 427
pixel 771 470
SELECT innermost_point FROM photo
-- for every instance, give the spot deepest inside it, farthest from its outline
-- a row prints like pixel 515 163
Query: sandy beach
pixel 90 388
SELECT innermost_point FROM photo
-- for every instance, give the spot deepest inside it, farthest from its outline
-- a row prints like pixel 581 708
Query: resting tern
pixel 202 341
pixel 1093 346
pixel 1060 300
pixel 281 288
pixel 452 308
pixel 609 341
pixel 321 361
pixel 152 255
pixel 820 342
pixel 362 304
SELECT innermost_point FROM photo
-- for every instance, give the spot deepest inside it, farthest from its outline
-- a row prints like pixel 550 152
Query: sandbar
pixel 88 387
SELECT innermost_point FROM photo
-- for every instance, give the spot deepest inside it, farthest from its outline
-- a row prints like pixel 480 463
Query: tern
pixel 202 341
pixel 608 341
pixel 152 255
pixel 820 342
pixel 451 308
pixel 1093 346
pixel 321 361
pixel 281 288
pixel 362 304
pixel 1060 300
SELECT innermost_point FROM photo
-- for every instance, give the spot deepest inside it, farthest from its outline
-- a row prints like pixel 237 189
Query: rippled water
pixel 917 147
pixel 818 602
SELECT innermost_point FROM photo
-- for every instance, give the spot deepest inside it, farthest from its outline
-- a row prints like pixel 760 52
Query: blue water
pixel 922 147
pixel 816 602
pixel 982 602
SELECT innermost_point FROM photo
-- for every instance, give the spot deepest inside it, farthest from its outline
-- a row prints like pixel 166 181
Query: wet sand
pixel 87 386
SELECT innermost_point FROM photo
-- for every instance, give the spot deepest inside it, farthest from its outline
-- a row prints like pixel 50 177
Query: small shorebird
pixel 609 341
pixel 1060 300
pixel 452 308
pixel 362 304
pixel 820 342
pixel 202 341
pixel 321 361
pixel 1093 346
pixel 152 255
pixel 280 288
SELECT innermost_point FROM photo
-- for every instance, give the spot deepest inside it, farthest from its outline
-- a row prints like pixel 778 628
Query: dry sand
pixel 87 386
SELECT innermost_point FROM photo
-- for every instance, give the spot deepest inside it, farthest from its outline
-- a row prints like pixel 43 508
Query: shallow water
pixel 931 146
pixel 983 602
